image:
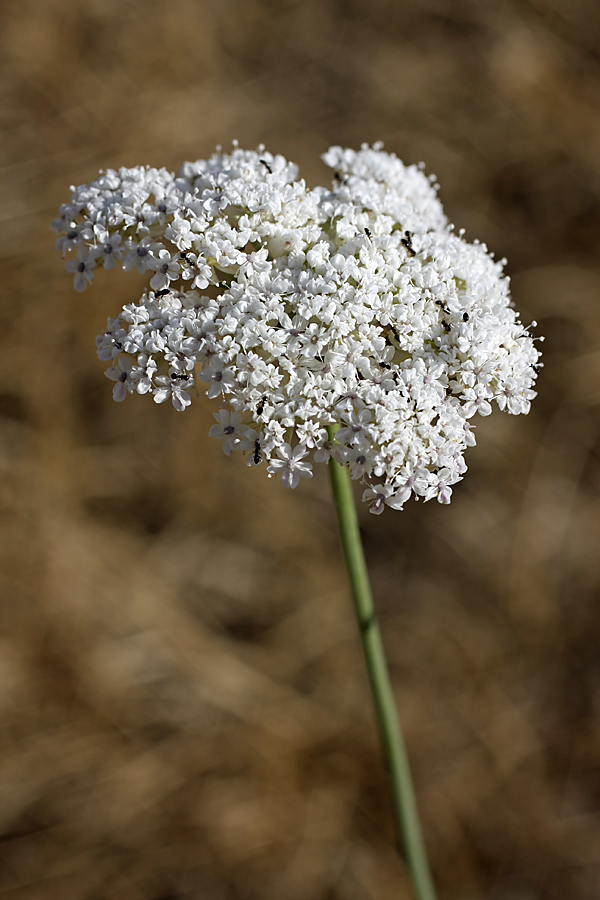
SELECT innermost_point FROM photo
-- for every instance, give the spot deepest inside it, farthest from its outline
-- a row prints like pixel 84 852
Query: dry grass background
pixel 184 709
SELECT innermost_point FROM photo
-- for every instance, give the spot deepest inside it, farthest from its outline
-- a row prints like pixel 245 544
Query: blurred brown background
pixel 184 707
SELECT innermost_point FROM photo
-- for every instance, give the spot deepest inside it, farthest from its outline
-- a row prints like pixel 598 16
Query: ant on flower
pixel 407 242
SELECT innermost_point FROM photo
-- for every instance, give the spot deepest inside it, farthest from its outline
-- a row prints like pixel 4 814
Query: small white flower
pixel 230 429
pixel 478 401
pixel 167 269
pixel 194 269
pixel 220 378
pixel 121 373
pixel 141 254
pixel 359 461
pixel 109 251
pixel 356 431
pixel 329 450
pixel 110 344
pixel 143 374
pixel 70 240
pixel 311 434
pixel 81 268
pixel 378 496
pixel 290 465
pixel 174 388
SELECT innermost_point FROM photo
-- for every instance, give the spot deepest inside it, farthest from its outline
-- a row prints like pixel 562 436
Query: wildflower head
pixel 354 306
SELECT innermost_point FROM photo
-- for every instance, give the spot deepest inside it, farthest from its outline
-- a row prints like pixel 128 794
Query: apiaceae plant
pixel 348 325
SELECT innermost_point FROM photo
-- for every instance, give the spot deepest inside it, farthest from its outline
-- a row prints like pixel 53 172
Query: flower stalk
pixel 406 817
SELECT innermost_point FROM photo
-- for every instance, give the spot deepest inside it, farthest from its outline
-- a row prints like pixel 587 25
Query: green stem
pixel 406 817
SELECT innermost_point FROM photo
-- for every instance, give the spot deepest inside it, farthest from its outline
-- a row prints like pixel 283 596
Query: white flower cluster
pixel 305 310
